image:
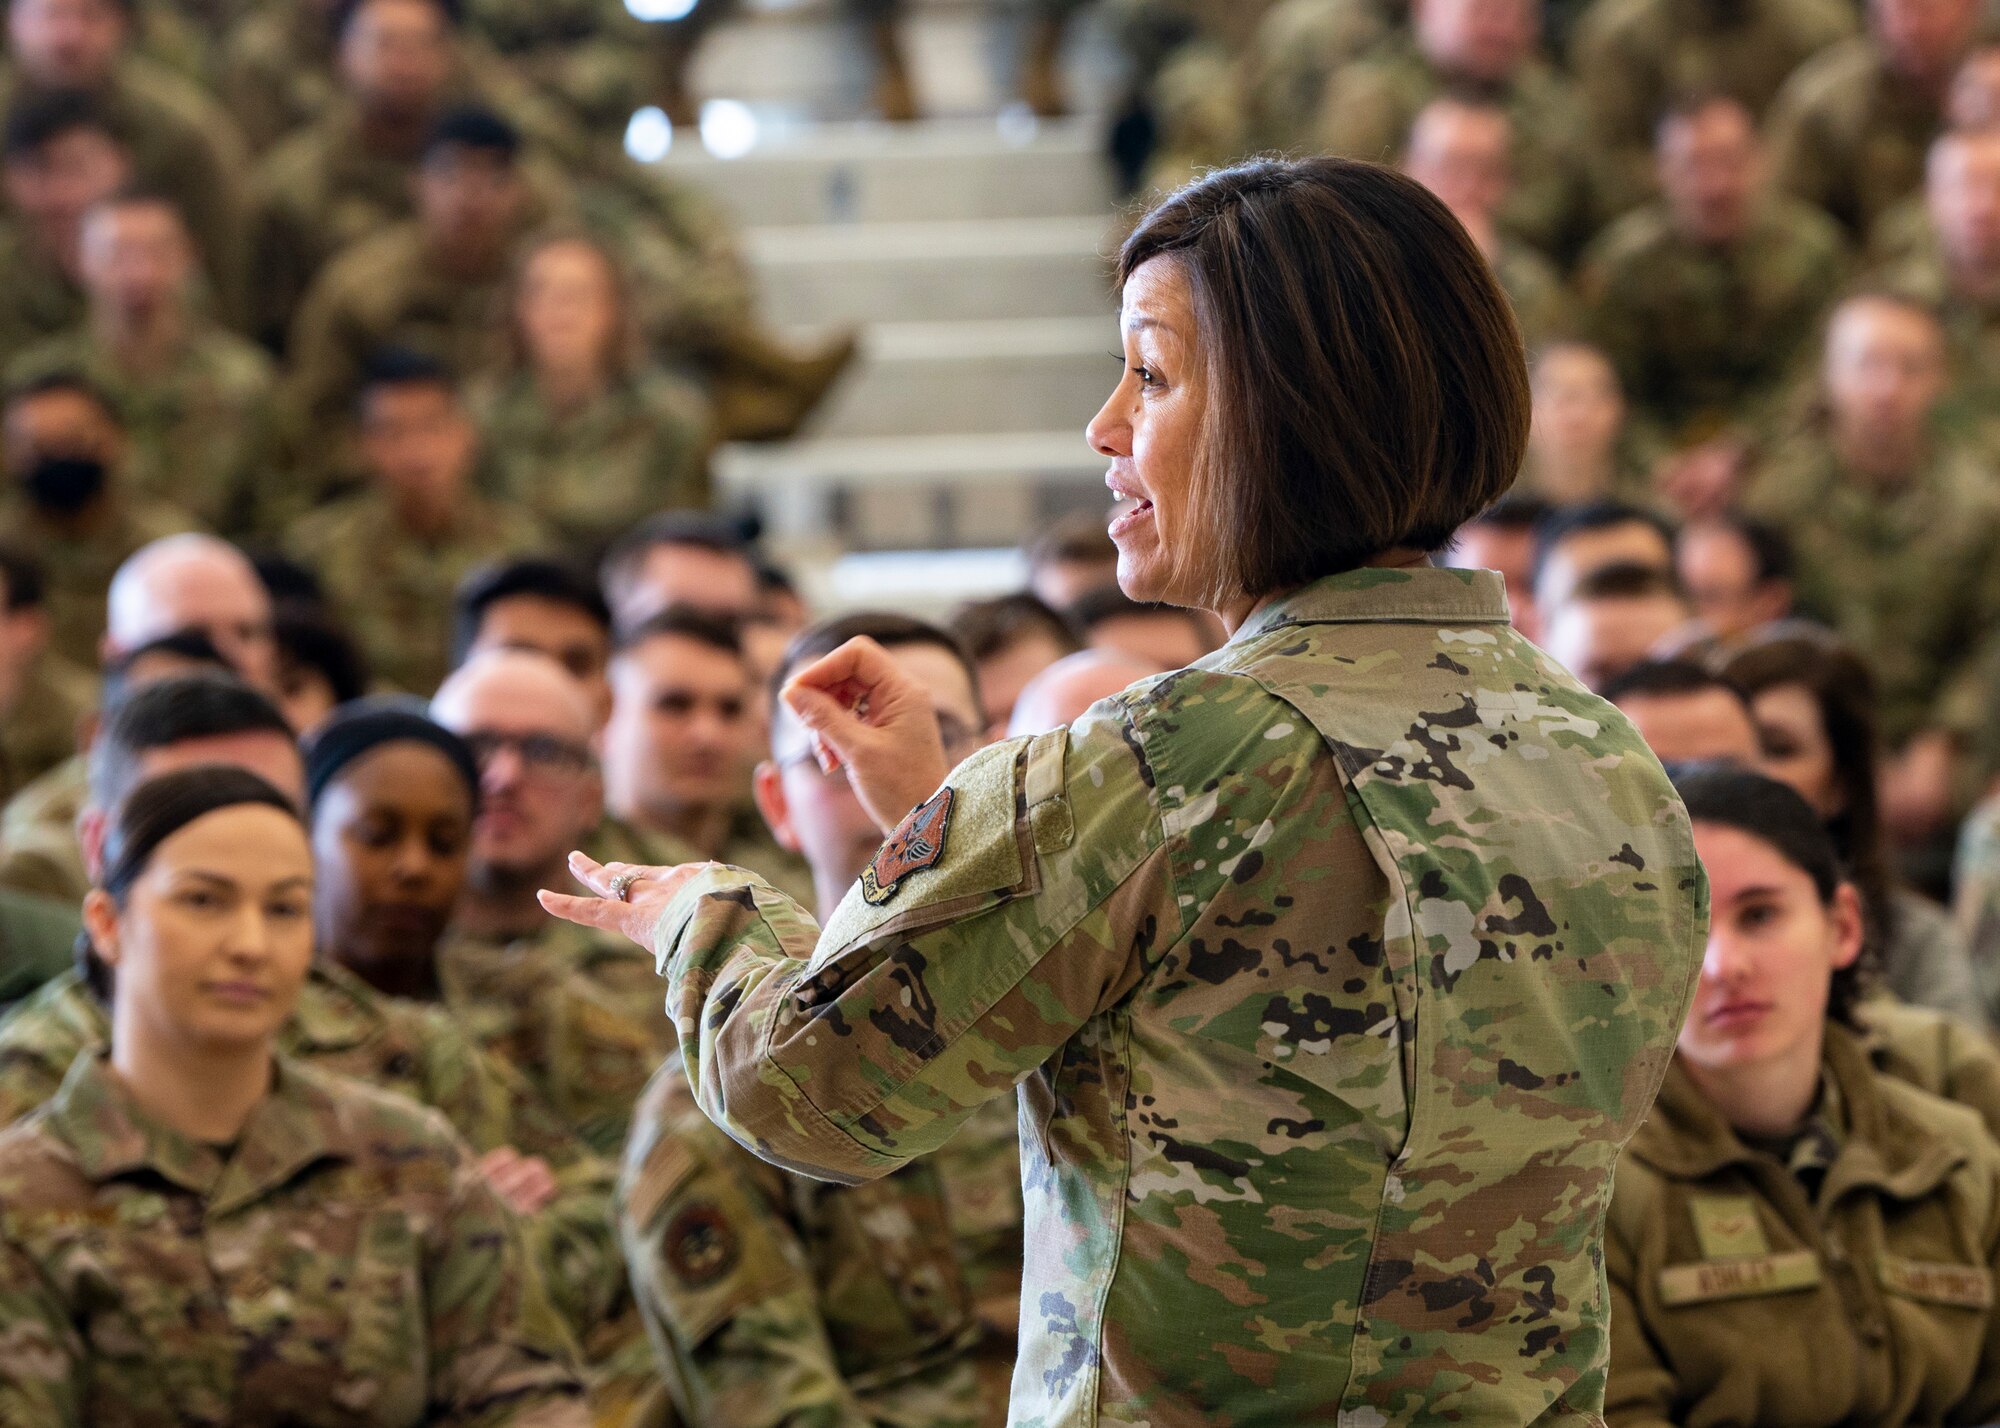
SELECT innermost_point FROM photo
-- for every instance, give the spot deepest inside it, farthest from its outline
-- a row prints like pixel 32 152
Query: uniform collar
pixel 297 1125
pixel 1687 1138
pixel 1416 595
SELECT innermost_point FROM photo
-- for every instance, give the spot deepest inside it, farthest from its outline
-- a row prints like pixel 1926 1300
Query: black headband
pixel 366 724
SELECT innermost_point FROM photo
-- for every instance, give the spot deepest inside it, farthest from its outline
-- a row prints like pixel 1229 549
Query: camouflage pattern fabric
pixel 774 1299
pixel 585 1057
pixel 79 561
pixel 198 431
pixel 1704 336
pixel 1877 1249
pixel 37 941
pixel 39 853
pixel 39 732
pixel 1634 58
pixel 640 448
pixel 345 1264
pixel 1847 135
pixel 393 587
pixel 1868 562
pixel 1339 967
pixel 38 298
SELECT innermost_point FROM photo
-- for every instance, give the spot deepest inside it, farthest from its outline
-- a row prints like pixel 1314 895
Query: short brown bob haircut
pixel 1367 389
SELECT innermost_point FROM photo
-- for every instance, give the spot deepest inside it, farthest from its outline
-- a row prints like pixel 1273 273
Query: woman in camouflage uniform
pixel 1335 969
pixel 196 1231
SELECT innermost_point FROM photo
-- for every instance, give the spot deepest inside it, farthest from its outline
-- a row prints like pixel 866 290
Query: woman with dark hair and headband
pixel 198 1230
pixel 393 795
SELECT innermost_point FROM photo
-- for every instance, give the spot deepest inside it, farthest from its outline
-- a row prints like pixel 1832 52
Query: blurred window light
pixel 1017 125
pixel 728 128
pixel 659 11
pixel 649 136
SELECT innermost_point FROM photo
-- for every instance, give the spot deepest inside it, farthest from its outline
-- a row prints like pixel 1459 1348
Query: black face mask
pixel 64 485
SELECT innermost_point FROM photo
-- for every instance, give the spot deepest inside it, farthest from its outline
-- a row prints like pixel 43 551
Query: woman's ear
pixel 1850 928
pixel 100 920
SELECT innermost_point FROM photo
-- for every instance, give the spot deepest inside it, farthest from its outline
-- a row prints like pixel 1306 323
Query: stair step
pixel 881 173
pixel 1020 375
pixel 886 272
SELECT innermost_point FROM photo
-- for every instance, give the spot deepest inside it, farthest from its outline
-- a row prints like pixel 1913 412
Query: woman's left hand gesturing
pixel 631 897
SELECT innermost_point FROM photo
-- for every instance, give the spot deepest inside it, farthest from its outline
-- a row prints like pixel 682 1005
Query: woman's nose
pixel 1724 962
pixel 1110 431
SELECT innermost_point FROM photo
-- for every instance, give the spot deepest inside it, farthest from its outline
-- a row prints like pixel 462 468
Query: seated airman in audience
pixel 681 743
pixel 64 447
pixel 1011 639
pixel 1878 498
pixel 182 142
pixel 1492 49
pixel 1849 129
pixel 320 667
pixel 533 729
pixel 1582 444
pixel 44 698
pixel 1070 559
pixel 1737 572
pixel 59 155
pixel 1615 617
pixel 682 558
pixel 1784 1189
pixel 1686 714
pixel 1461 150
pixel 204 916
pixel 1573 541
pixel 588 433
pixel 391 556
pixel 1706 299
pixel 542 606
pixel 195 397
pixel 1061 693
pixel 1816 712
pixel 896 1301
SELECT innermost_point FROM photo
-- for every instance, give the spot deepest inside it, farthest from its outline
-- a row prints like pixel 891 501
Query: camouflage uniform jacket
pixel 1634 58
pixel 394 587
pixel 1868 562
pixel 585 1057
pixel 185 144
pixel 1338 968
pixel 589 476
pixel 1971 324
pixel 80 562
pixel 1864 1259
pixel 1850 136
pixel 1553 205
pixel 198 433
pixel 1703 336
pixel 345 1264
pixel 39 853
pixel 39 732
pixel 774 1299
pixel 342 1026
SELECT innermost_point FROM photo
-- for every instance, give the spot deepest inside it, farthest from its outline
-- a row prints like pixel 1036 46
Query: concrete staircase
pixel 971 253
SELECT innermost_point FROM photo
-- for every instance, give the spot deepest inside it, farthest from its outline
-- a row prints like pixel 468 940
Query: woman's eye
pixel 1754 918
pixel 1145 376
pixel 201 900
pixel 289 910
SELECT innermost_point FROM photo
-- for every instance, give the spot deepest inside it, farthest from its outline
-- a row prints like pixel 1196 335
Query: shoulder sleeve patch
pixel 917 844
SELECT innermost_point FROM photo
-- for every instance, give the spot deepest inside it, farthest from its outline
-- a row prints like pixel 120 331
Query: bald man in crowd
pixel 195 582
pixel 1060 693
pixel 532 727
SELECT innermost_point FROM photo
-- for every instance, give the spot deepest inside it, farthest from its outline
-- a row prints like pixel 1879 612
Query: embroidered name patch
pixel 1959 1285
pixel 917 843
pixel 1739 1278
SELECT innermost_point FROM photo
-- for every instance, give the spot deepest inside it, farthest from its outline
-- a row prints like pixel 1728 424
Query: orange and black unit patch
pixel 700 1245
pixel 917 843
